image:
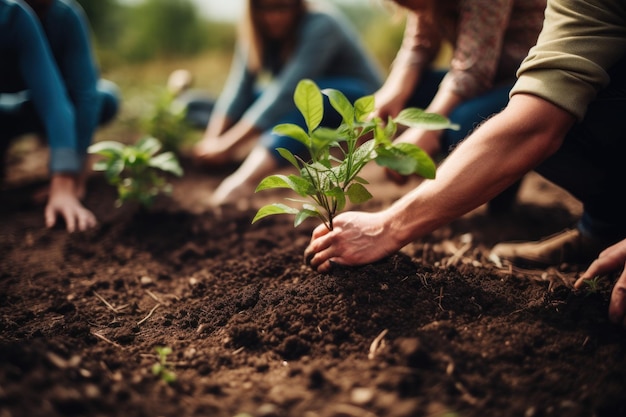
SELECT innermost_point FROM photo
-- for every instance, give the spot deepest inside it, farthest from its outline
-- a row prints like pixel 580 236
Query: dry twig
pixel 375 344
pixel 149 315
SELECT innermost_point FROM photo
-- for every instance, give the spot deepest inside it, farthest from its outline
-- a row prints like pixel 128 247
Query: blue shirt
pixel 327 47
pixel 53 62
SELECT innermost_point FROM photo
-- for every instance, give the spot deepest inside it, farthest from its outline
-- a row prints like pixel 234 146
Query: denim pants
pixel 591 163
pixel 18 115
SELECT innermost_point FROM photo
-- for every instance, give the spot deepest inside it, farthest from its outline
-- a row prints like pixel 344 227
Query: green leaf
pixel 340 103
pixel 166 162
pixel 339 196
pixel 358 194
pixel 414 117
pixel 106 148
pixel 286 154
pixel 309 101
pixel 148 145
pixel 406 159
pixel 271 209
pixel 363 107
pixel 294 132
pixel 297 184
pixel 114 169
pixel 365 153
pixel 304 214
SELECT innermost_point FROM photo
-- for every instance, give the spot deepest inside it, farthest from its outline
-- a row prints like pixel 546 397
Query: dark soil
pixel 436 330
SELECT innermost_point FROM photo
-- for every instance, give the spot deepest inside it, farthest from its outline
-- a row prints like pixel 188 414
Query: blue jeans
pixel 18 115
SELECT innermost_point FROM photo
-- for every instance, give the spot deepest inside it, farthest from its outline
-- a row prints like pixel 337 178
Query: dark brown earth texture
pixel 436 330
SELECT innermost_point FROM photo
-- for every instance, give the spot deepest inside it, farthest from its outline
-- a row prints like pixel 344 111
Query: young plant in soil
pixel 136 170
pixel 327 181
pixel 168 123
pixel 162 367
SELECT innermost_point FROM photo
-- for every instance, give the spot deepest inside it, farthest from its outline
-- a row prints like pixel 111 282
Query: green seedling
pixel 168 123
pixel 162 368
pixel 593 285
pixel 327 181
pixel 136 170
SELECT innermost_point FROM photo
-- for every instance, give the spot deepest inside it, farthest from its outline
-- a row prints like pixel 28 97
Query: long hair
pixel 253 40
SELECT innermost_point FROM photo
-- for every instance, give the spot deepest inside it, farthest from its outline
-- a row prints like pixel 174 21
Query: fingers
pixel 320 253
pixel 617 307
pixel 76 218
pixel 609 260
pixel 50 216
pixel 314 253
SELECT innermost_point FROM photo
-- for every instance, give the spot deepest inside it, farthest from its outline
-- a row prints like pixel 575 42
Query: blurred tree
pixel 163 28
pixel 103 16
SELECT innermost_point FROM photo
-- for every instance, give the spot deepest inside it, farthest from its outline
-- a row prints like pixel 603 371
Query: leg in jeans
pixel 19 117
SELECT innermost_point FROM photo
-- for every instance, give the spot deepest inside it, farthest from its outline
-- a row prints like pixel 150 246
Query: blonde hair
pixel 252 39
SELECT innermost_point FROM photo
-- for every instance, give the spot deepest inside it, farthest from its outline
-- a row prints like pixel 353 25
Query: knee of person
pixel 110 93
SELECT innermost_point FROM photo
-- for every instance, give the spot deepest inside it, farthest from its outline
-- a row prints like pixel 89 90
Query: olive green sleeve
pixel 579 43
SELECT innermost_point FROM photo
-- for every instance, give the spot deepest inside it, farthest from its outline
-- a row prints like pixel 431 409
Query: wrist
pixel 63 182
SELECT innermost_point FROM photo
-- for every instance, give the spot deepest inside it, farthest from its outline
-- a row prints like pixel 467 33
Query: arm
pixel 319 41
pixel 497 154
pixel 69 27
pixel 51 103
pixel 420 44
pixel 481 29
pixel 222 133
pixel 312 57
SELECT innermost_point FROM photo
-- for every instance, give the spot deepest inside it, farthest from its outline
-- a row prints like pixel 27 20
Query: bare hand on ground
pixel 611 259
pixel 357 238
pixel 64 202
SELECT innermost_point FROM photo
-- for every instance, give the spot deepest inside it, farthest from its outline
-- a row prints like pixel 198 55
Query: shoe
pixel 569 246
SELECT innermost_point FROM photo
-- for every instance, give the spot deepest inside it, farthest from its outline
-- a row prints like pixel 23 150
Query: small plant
pixel 162 367
pixel 168 123
pixel 593 285
pixel 136 170
pixel 327 181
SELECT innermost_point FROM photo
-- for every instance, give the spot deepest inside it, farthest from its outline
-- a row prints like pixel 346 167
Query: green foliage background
pixel 174 28
pixel 139 44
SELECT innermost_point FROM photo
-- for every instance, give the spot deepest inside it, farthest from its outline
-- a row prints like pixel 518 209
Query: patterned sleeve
pixel 480 36
pixel 420 43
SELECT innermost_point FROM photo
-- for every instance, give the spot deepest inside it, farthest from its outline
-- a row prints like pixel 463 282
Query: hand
pixel 610 259
pixel 64 201
pixel 357 238
pixel 212 151
pixel 388 104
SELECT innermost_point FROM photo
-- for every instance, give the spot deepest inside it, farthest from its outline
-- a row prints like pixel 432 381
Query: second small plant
pixel 136 170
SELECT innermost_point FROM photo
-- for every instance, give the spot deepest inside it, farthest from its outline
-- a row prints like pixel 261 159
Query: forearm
pixel 496 155
pixel 237 134
pixel 218 124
